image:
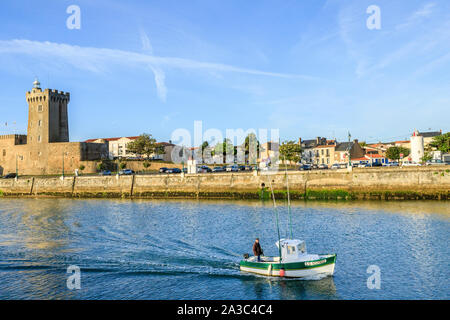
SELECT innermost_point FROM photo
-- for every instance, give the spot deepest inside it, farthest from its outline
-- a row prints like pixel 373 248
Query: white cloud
pixel 100 60
pixel 417 16
pixel 146 45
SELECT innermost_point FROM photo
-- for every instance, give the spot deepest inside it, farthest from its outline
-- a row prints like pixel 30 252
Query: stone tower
pixel 47 115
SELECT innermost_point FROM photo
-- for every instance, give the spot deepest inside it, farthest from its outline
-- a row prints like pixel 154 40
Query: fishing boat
pixel 293 261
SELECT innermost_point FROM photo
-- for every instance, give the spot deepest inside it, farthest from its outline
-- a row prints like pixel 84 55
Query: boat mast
pixel 289 198
pixel 276 215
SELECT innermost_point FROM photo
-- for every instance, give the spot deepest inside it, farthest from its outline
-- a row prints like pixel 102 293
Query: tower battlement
pixel 47 116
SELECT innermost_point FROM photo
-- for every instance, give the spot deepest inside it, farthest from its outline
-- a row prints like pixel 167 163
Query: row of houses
pixel 117 148
pixel 324 151
pixel 318 151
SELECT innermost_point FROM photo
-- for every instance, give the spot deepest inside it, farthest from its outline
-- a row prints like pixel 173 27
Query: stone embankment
pixel 361 183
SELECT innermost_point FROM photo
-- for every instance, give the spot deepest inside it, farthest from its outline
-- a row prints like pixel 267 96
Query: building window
pixel 39 123
pixel 321 151
pixel 328 152
pixel 328 160
pixel 39 138
pixel 40 108
pixel 4 152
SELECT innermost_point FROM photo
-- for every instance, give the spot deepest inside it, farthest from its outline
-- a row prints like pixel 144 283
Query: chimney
pixel 300 141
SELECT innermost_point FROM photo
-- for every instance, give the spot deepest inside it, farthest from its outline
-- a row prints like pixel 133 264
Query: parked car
pixel 126 172
pixel 163 169
pixel 362 165
pixel 377 164
pixel 435 162
pixel 314 166
pixel 391 164
pixel 233 168
pixel 304 167
pixel 9 176
pixel 410 164
pixel 218 169
pixel 322 166
pixel 105 173
pixel 241 168
pixel 204 169
pixel 335 166
pixel 173 170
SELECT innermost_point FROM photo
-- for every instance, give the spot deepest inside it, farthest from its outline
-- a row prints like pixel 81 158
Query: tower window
pixel 40 108
pixel 39 138
pixel 4 152
pixel 39 123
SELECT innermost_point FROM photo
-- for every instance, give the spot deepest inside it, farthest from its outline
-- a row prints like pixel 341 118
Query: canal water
pixel 158 249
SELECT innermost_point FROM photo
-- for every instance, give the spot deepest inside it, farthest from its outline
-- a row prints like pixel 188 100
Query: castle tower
pixel 47 115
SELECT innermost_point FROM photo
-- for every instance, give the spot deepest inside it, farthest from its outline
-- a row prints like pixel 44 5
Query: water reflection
pixel 148 246
pixel 291 289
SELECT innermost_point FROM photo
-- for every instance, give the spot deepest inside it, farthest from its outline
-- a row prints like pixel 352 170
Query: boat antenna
pixel 288 198
pixel 276 215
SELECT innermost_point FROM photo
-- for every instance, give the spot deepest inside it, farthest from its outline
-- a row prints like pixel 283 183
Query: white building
pixel 417 147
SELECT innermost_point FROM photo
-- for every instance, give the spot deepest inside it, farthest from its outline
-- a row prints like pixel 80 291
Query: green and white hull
pixel 270 266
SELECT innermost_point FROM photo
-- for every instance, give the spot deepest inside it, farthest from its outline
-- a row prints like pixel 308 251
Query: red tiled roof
pixel 112 139
pixel 368 157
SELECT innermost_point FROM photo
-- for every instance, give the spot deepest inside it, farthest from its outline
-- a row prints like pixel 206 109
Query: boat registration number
pixel 314 263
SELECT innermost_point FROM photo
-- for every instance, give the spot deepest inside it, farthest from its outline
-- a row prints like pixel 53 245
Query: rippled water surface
pixel 191 249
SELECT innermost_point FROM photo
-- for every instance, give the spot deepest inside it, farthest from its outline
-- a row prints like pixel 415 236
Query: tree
pixel 291 151
pixel 224 148
pixel 393 153
pixel 427 156
pixel 251 144
pixel 82 167
pixel 122 165
pixel 442 142
pixel 146 164
pixel 143 145
pixel 100 166
pixel 205 145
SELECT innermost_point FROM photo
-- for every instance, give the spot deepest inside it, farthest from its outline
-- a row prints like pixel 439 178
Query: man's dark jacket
pixel 257 251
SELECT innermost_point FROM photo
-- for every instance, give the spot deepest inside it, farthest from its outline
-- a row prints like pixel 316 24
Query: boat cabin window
pixel 290 249
pixel 302 247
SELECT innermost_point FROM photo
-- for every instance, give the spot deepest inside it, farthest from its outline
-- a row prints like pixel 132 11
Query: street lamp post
pixel 17 166
pixel 63 154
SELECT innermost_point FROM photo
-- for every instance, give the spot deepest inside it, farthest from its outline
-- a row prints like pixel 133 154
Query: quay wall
pixel 361 183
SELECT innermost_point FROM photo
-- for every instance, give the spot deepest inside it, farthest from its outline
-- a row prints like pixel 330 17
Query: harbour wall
pixel 361 183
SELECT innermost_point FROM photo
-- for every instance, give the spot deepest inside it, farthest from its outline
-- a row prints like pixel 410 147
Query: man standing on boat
pixel 257 251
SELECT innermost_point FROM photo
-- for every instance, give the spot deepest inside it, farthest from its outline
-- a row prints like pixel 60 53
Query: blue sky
pixel 308 68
